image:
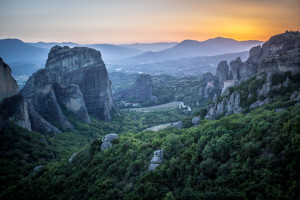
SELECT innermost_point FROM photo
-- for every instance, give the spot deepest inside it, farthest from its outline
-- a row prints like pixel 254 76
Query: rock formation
pixel 84 67
pixel 196 121
pixel 107 141
pixel 141 91
pixel 38 123
pixel 8 85
pixel 39 91
pixel 279 54
pixel 207 77
pixel 13 107
pixel 71 98
pixel 223 73
pixel 74 79
pixel 229 105
pixel 156 160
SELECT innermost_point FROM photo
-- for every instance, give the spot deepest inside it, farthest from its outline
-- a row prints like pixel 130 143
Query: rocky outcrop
pixel 196 120
pixel 8 85
pixel 209 90
pixel 229 105
pixel 14 109
pixel 38 123
pixel 74 78
pixel 141 91
pixel 279 54
pixel 223 73
pixel 207 77
pixel 71 98
pixel 156 160
pixel 235 66
pixel 259 103
pixel 107 141
pixel 84 67
pixel 44 99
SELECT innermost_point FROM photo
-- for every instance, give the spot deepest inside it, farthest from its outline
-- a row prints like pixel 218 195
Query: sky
pixel 145 21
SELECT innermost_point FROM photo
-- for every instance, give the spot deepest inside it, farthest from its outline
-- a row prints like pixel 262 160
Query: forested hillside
pixel 242 156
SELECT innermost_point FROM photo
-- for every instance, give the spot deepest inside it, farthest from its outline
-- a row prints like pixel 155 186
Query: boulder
pixel 110 137
pixel 196 121
pixel 105 145
pixel 156 160
pixel 106 141
pixel 152 167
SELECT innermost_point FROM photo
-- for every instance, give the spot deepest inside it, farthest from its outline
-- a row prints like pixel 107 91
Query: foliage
pixel 254 156
pixel 248 90
pixel 20 152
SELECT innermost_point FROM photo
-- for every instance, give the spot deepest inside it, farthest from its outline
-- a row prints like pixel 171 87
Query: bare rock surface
pixel 156 160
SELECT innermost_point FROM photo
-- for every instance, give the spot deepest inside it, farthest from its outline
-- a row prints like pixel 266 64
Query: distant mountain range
pixel 26 58
pixel 191 66
pixel 192 48
pixel 151 46
pixel 14 50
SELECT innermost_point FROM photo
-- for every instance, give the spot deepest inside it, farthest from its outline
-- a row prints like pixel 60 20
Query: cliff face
pixel 8 85
pixel 13 107
pixel 141 90
pixel 83 67
pixel 75 79
pixel 45 101
pixel 71 98
pixel 279 54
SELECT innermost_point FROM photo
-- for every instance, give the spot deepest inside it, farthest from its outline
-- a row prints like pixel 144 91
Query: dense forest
pixel 242 156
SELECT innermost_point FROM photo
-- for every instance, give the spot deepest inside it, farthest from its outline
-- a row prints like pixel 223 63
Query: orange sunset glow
pixel 119 21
